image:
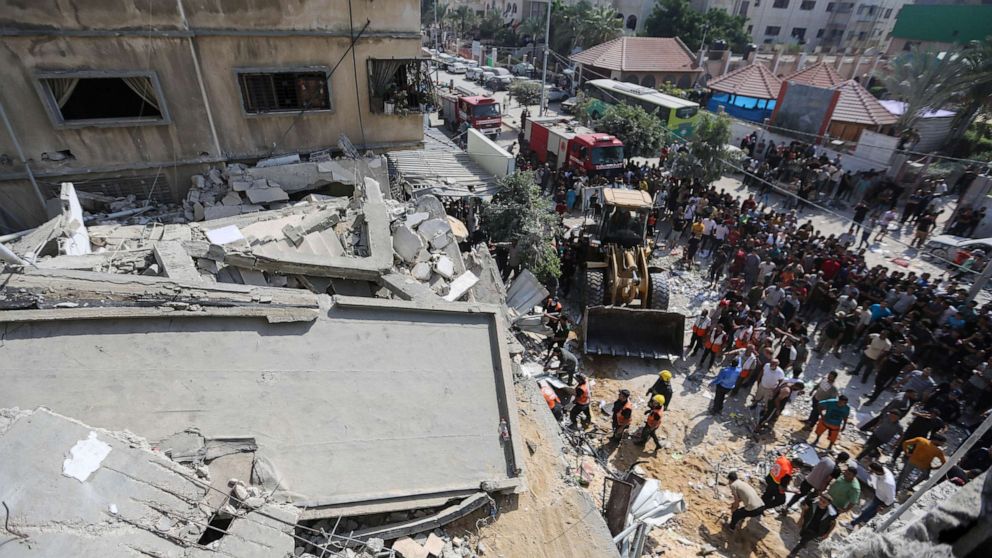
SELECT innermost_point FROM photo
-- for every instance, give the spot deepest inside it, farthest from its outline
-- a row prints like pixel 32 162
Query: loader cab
pixel 625 217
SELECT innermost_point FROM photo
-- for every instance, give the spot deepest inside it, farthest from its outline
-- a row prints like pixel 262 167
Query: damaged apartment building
pixel 131 99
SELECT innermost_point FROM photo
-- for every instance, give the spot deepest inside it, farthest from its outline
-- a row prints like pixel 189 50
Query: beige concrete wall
pixel 247 135
pixel 326 15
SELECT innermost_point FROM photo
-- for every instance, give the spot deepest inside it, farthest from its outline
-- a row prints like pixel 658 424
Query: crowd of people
pixel 790 292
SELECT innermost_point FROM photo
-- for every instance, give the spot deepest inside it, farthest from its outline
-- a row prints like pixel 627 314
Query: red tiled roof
pixel 859 106
pixel 817 75
pixel 639 54
pixel 753 81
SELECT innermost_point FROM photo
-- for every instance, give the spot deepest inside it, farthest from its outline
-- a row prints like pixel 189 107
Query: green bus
pixel 678 115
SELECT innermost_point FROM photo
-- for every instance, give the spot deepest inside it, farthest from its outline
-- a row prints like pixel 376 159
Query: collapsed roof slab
pixel 374 400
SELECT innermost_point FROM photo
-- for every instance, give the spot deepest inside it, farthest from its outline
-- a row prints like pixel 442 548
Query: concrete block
pixel 252 277
pixel 232 198
pixel 445 267
pixel 407 243
pixel 266 195
pixel 199 214
pixel 259 183
pixel 413 220
pixel 293 234
pixel 460 286
pixel 432 228
pixel 422 271
pixel 408 548
pixel 240 185
pixel 219 211
pixel 175 262
pixel 434 545
pixel 440 241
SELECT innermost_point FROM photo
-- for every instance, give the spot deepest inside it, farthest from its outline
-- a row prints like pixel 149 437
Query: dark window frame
pixel 326 71
pixel 55 113
pixel 777 28
pixel 780 4
pixel 811 3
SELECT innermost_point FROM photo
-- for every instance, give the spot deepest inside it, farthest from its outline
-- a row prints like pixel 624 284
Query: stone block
pixel 432 228
pixel 421 271
pixel 266 195
pixel 445 267
pixel 232 198
pixel 219 211
pixel 460 286
pixel 434 545
pixel 415 219
pixel 240 185
pixel 407 243
pixel 408 548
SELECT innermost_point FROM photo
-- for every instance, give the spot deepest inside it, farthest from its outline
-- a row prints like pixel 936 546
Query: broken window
pixel 89 99
pixel 399 86
pixel 266 92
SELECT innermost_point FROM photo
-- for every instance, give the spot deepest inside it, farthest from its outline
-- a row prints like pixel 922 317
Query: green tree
pixel 490 24
pixel 923 79
pixel 582 25
pixel 676 18
pixel 526 92
pixel 705 157
pixel 974 85
pixel 519 214
pixel 641 132
pixel 463 19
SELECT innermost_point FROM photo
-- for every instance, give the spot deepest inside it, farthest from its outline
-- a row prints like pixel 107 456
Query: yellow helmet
pixel 665 375
pixel 659 399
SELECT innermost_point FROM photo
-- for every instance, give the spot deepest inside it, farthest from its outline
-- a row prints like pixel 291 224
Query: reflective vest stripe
pixel 550 396
pixel 780 469
pixel 654 419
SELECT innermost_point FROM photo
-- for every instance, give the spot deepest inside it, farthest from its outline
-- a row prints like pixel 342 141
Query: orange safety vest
pixel 715 344
pixel 550 396
pixel 622 420
pixel 654 419
pixel 698 329
pixel 781 468
pixel 582 394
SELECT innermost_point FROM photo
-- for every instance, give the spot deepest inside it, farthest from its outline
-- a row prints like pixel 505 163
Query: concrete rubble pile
pixel 244 229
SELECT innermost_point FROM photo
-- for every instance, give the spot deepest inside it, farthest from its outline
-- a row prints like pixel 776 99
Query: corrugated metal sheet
pixel 441 168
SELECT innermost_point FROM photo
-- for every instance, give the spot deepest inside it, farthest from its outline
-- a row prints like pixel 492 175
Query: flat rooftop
pixel 374 401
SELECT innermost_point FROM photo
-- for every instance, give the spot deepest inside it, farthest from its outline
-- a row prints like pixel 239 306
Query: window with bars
pixel 265 92
pixel 772 30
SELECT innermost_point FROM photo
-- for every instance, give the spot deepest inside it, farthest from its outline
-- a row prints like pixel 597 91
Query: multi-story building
pixel 818 23
pixel 939 27
pixel 141 95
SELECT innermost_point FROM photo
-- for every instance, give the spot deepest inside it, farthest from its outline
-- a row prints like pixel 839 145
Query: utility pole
pixel 980 281
pixel 544 70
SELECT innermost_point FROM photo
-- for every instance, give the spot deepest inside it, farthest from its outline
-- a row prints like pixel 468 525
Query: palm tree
pixel 974 85
pixel 923 79
pixel 599 25
pixel 533 27
pixel 490 23
pixel 465 18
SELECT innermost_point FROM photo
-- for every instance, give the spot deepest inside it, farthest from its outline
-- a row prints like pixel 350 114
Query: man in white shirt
pixel 770 377
pixel 884 485
pixel 765 270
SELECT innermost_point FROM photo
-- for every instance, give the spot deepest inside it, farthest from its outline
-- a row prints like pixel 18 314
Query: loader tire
pixel 595 287
pixel 658 295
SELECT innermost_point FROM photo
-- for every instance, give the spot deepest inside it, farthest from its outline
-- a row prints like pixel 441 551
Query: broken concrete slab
pixel 356 436
pixel 232 198
pixel 220 211
pixel 434 545
pixel 77 240
pixel 433 228
pixel 407 243
pixel 421 271
pixel 175 262
pixel 415 219
pixel 409 548
pixel 405 287
pixel 266 195
pixel 460 286
pixel 444 267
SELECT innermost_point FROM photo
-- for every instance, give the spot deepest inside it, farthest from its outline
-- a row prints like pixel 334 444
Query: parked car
pixel 485 77
pixel 473 73
pixel 485 70
pixel 456 68
pixel 499 83
pixel 555 93
pixel 523 69
pixel 953 248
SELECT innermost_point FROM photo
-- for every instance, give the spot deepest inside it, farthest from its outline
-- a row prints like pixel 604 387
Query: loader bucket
pixel 633 332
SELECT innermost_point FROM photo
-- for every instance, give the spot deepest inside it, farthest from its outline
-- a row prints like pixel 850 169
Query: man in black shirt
pixel 892 365
pixel 817 522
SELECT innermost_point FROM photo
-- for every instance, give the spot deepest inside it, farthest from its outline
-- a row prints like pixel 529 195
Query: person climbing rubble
pixel 580 405
pixel 622 415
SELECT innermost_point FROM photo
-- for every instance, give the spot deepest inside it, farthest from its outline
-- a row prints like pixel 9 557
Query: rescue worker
pixel 700 328
pixel 662 386
pixel 713 345
pixel 583 396
pixel 623 415
pixel 560 330
pixel 554 403
pixel 777 481
pixel 652 422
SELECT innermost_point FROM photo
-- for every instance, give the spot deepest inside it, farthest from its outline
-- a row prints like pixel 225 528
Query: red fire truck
pixel 483 113
pixel 557 141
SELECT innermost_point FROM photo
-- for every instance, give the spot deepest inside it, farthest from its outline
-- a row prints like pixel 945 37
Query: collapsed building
pixel 290 334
